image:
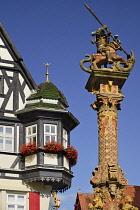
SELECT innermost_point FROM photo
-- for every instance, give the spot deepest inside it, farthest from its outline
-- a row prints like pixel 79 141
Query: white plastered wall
pixel 4 54
pixel 7 160
pixel 1 42
pixel 9 105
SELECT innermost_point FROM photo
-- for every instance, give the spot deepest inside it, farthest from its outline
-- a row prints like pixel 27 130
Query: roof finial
pixel 47 73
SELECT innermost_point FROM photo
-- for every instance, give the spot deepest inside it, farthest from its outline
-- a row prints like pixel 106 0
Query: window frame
pixel 50 134
pixel 64 140
pixel 4 136
pixel 15 203
pixel 30 136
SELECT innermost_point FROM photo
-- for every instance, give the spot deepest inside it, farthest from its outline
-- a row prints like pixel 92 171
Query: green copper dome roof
pixel 47 90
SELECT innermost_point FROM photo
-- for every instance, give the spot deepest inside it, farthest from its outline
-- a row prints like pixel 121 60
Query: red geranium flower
pixel 53 147
pixel 29 148
pixel 72 155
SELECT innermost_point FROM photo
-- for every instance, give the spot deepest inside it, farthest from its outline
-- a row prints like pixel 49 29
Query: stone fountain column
pixel 108 180
pixel 106 82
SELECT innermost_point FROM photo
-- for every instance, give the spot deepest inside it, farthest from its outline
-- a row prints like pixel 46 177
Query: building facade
pixel 30 115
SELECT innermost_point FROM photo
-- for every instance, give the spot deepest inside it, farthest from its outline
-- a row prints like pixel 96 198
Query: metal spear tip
pixel 86 5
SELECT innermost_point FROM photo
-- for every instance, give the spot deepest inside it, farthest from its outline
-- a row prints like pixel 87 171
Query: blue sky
pixel 58 32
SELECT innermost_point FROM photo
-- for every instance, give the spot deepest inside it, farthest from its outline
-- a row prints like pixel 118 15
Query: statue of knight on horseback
pixel 106 52
pixel 102 41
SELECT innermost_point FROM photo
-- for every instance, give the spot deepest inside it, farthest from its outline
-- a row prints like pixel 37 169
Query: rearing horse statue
pixel 99 59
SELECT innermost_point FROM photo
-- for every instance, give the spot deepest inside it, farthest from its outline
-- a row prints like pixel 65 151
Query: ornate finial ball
pixel 46 64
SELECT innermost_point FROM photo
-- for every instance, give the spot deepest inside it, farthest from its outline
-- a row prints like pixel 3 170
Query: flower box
pixel 51 150
pixel 50 159
pixel 30 160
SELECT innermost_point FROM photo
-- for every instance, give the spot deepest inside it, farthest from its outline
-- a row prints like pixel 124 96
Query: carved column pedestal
pixel 108 179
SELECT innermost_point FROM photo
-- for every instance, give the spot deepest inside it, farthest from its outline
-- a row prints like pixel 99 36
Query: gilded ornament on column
pixel 128 204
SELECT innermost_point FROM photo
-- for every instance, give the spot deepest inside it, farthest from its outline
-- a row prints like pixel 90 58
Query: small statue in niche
pixel 112 190
pixel 97 200
pixel 128 204
pixel 54 202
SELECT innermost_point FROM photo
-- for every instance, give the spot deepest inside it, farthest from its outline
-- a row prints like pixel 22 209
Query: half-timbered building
pixel 30 113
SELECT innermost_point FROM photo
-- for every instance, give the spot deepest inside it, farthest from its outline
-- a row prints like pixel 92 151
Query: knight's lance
pixel 105 29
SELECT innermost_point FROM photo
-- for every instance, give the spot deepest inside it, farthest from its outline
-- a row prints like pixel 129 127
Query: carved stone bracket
pixel 108 174
pixel 107 102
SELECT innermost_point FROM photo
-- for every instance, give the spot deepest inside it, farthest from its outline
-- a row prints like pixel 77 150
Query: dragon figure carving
pixel 118 62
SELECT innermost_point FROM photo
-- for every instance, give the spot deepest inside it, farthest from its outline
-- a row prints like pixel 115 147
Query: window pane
pixel 53 138
pixel 11 198
pixel 8 144
pixel 11 207
pixel 52 129
pixel 6 139
pixel 20 207
pixel 29 139
pixel 31 134
pixel 47 129
pixel 20 199
pixel 1 143
pixel 34 138
pixel 47 138
pixel 34 129
pixel 1 130
pixel 9 131
pixel 64 134
pixel 65 143
pixel 29 131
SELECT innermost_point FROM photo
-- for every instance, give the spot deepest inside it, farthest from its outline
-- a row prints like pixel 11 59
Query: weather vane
pixel 47 73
